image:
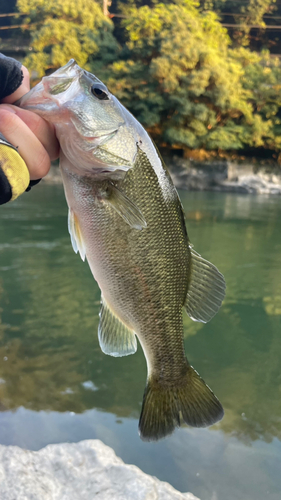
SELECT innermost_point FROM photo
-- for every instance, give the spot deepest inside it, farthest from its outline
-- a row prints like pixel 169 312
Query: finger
pixel 43 130
pixel 23 89
pixel 29 147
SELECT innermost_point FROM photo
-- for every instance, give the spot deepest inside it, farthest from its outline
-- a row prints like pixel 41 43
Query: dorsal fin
pixel 206 289
pixel 114 337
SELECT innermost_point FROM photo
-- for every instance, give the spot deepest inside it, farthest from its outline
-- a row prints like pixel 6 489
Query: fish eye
pixel 99 93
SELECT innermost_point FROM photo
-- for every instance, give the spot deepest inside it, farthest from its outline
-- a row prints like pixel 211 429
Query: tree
pixel 180 77
pixel 177 71
pixel 240 17
pixel 62 29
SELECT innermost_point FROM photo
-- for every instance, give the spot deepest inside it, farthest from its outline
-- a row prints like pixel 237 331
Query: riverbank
pixel 225 176
pixel 77 471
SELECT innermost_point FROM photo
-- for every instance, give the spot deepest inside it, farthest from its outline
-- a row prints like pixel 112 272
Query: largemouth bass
pixel 126 218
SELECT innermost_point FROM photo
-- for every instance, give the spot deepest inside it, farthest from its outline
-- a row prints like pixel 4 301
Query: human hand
pixel 33 137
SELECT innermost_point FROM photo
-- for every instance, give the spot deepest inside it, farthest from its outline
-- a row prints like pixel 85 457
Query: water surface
pixel 56 385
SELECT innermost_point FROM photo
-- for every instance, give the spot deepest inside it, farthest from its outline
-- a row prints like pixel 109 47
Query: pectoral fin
pixel 124 207
pixel 206 289
pixel 114 337
pixel 75 234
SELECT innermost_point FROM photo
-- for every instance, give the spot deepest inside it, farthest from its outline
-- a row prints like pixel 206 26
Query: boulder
pixel 77 471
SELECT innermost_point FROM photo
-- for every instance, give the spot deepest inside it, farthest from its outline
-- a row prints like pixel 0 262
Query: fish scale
pixel 154 314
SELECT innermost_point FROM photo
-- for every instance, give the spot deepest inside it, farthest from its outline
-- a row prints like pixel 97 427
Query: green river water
pixel 57 386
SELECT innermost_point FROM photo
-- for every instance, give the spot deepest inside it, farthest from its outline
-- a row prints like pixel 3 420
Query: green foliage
pixel 249 12
pixel 62 29
pixel 246 14
pixel 180 77
pixel 177 71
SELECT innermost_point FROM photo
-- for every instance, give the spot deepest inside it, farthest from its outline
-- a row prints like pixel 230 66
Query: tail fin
pixel 164 404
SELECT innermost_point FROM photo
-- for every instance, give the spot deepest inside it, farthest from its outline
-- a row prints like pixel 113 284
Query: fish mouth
pixel 33 98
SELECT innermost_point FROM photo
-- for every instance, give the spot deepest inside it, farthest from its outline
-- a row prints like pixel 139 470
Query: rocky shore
pixel 77 471
pixel 225 176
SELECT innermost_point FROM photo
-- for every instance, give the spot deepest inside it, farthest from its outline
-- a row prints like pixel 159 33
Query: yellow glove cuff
pixel 15 170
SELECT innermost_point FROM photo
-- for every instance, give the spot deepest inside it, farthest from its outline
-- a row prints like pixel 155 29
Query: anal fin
pixel 78 244
pixel 114 337
pixel 206 289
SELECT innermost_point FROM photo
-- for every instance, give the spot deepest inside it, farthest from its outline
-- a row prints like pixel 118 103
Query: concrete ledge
pixel 77 471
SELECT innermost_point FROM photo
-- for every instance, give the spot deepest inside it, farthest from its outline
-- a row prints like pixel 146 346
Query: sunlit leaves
pixel 183 80
pixel 176 71
pixel 64 29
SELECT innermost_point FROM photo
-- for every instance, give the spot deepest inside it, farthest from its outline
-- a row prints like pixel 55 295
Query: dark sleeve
pixel 11 75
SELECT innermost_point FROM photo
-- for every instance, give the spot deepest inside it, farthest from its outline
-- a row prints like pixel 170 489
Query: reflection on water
pixel 56 385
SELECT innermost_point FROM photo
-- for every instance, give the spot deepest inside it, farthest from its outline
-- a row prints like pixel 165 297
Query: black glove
pixel 11 76
pixel 14 174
